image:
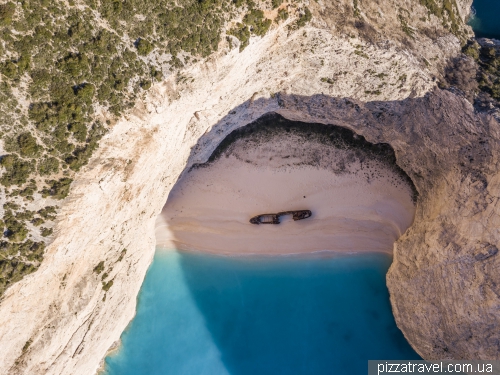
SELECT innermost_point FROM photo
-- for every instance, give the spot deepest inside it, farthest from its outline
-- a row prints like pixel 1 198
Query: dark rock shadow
pixel 387 128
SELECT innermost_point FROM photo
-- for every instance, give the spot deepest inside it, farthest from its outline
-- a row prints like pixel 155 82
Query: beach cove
pixel 301 297
pixel 360 200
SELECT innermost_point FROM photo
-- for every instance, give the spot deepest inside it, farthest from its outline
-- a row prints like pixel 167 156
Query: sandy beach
pixel 358 204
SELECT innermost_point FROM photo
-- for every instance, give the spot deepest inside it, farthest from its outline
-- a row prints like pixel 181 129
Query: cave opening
pixel 360 199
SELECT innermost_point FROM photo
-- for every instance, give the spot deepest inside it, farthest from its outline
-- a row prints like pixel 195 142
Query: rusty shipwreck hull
pixel 275 218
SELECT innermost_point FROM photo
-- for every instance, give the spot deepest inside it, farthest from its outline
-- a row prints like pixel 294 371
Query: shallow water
pixel 202 314
pixel 486 22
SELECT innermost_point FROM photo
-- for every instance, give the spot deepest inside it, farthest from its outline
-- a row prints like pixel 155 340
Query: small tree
pixel 144 47
pixel 27 145
pixel 48 166
pixel 57 189
pixel 16 230
pixel 16 172
pixel 45 232
pixel 6 12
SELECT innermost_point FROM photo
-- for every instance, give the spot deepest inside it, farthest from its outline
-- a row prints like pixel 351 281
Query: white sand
pixel 356 206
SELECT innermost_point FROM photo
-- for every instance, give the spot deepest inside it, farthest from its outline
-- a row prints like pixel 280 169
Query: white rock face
pixel 464 7
pixel 59 320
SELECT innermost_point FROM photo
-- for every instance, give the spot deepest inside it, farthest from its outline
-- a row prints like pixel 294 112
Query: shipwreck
pixel 275 218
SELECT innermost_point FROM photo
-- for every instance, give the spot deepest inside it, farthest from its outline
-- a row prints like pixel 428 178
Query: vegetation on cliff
pixel 488 60
pixel 476 74
pixel 68 70
pixel 447 11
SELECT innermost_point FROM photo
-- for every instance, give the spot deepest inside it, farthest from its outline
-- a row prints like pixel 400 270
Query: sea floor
pixel 201 314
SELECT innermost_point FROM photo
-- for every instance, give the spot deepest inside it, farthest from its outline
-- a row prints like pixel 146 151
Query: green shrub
pixel 57 189
pixel 11 206
pixel 48 213
pixel 16 230
pixel 6 13
pixel 495 90
pixel 74 64
pixel 156 74
pixel 16 172
pixel 472 50
pixel 85 92
pixel 146 85
pixel 304 18
pixel 33 250
pixel 27 145
pixel 242 33
pixel 99 268
pixel 276 3
pixel 356 10
pixel 445 12
pixel 144 47
pixel 25 215
pixel 29 190
pixel 432 7
pixel 27 345
pixel 488 52
pixel 12 271
pixel 405 27
pixel 282 14
pixel 110 8
pixel 107 286
pixel 79 131
pixel 45 232
pixel 64 147
pixel 48 165
pixel 257 23
pixel 60 132
pixel 361 53
pixel 37 221
pixel 80 156
pixel 23 64
pixel 122 254
pixel 330 81
pixel 9 69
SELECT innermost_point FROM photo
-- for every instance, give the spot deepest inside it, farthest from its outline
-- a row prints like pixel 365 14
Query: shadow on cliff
pixel 420 131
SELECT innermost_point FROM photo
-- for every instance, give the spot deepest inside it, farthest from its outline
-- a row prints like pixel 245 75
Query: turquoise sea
pixel 208 315
pixel 486 21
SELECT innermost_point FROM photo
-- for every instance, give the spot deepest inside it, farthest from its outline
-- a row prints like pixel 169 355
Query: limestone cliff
pixel 63 318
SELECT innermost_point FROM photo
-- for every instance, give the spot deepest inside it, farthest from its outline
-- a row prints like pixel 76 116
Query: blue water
pixel 486 22
pixel 208 315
